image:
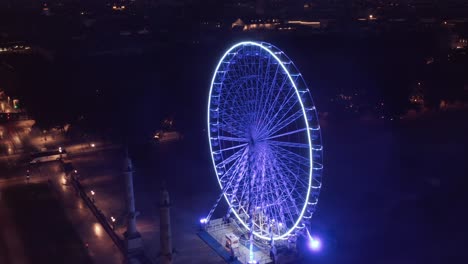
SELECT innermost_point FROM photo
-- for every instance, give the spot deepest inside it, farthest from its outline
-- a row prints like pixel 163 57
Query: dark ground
pixel 43 227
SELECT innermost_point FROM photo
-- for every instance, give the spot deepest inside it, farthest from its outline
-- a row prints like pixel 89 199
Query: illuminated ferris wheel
pixel 265 140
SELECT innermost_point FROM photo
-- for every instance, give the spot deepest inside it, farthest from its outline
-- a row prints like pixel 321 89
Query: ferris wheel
pixel 265 140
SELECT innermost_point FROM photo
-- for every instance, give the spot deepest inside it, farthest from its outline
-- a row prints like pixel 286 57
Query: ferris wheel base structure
pixel 266 148
pixel 214 235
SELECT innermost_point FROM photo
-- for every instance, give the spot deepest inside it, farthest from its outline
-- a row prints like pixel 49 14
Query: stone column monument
pixel 133 242
pixel 165 227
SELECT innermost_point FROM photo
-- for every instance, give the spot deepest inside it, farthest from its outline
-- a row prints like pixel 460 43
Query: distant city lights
pixel 118 8
pixel 305 23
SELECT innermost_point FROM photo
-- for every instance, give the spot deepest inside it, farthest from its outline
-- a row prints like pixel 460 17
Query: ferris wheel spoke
pixel 286 162
pixel 246 89
pixel 236 112
pixel 238 169
pixel 231 148
pixel 297 179
pixel 289 203
pixel 259 185
pixel 243 201
pixel 294 175
pixel 229 175
pixel 275 187
pixel 292 156
pixel 240 114
pixel 277 106
pixel 269 194
pixel 286 171
pixel 240 189
pixel 284 88
pixel 271 209
pixel 231 130
pixel 278 182
pixel 286 134
pixel 281 206
pixel 285 122
pixel 270 107
pixel 235 118
pixel 235 156
pixel 232 188
pixel 262 101
pixel 288 144
pixel 235 139
pixel 241 171
pixel 289 161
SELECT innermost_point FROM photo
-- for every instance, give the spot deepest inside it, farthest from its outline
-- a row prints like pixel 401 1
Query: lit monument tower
pixel 132 237
pixel 165 227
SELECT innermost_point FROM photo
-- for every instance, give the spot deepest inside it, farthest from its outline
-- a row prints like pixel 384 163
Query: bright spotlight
pixel 314 242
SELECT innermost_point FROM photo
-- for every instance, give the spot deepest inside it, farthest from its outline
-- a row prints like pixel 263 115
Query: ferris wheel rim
pixel 268 48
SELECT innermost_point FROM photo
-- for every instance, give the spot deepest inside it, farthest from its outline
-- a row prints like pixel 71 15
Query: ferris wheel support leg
pixel 205 220
pixel 208 217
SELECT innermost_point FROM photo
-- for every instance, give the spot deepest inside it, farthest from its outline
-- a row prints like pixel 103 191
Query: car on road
pixel 47 156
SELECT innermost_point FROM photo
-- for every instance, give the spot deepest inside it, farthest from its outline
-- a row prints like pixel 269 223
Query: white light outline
pixel 299 219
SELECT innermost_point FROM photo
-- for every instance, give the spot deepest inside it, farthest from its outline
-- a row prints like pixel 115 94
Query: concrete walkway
pixel 101 248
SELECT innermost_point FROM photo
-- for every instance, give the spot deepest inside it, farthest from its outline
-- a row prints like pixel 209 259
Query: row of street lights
pixel 93 194
pixel 93 198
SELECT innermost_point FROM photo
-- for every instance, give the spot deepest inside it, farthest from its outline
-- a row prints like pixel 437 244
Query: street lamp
pixel 75 175
pixel 113 222
pixel 92 196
